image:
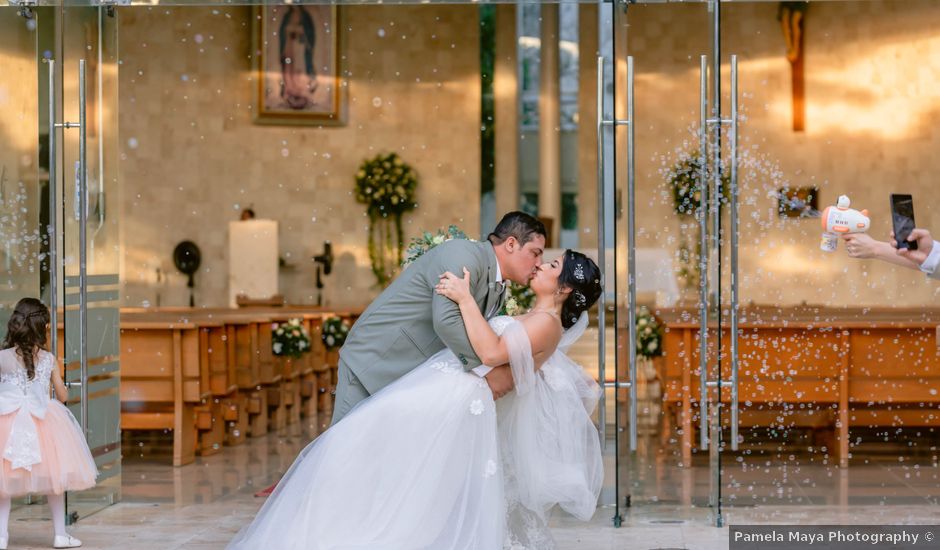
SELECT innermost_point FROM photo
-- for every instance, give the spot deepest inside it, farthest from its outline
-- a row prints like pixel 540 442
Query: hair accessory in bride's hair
pixel 580 299
pixel 579 272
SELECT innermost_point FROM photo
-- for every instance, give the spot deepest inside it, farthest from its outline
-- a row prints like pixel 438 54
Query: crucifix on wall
pixel 792 16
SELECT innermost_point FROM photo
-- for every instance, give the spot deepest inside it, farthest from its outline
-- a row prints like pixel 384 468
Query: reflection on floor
pixel 784 469
pixel 202 505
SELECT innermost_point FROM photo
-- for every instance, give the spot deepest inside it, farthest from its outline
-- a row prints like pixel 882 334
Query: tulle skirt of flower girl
pixel 66 465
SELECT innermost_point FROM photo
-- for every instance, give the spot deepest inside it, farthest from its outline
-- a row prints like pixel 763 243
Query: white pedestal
pixel 253 259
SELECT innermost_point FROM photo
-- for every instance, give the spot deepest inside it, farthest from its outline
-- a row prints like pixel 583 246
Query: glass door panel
pixel 670 471
pixel 90 252
pixel 24 175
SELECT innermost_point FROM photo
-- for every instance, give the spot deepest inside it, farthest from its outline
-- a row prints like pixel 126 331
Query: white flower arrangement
pixel 290 339
pixel 649 334
pixel 335 330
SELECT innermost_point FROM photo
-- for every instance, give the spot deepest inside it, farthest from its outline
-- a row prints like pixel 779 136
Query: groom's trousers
pixel 349 392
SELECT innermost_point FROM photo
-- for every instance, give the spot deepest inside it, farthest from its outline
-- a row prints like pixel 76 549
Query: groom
pixel 409 322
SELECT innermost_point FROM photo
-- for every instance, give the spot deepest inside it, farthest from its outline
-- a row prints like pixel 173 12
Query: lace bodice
pixel 500 322
pixel 12 371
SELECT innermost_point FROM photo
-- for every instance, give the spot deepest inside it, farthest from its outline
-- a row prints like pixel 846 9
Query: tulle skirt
pixel 415 466
pixel 66 465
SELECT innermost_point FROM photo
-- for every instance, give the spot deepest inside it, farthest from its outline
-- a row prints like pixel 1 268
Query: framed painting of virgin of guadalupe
pixel 296 57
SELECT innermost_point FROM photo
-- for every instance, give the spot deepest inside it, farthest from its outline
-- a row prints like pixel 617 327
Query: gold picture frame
pixel 297 65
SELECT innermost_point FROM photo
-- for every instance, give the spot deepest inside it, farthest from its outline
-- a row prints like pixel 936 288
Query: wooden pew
pixel 826 369
pixel 160 382
pixel 243 345
pixel 234 384
pixel 219 405
pixel 288 393
pixel 310 384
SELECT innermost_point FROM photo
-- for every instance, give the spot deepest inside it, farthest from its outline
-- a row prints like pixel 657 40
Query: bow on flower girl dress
pixel 44 450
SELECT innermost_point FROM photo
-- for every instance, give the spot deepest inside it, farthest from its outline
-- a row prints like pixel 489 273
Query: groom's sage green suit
pixel 410 322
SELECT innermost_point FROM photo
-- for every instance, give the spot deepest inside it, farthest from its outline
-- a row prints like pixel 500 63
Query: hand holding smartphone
pixel 902 218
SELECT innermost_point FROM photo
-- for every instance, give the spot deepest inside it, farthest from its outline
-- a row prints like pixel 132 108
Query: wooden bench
pixel 816 368
pixel 230 384
pixel 221 411
pixel 310 381
pixel 243 343
pixel 161 387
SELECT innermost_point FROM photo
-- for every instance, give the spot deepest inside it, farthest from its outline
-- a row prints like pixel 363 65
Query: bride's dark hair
pixel 583 277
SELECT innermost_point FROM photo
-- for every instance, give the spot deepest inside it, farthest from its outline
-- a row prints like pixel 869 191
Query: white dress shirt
pixel 483 370
pixel 932 262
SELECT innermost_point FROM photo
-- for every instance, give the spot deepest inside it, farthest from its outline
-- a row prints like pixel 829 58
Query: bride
pixel 433 462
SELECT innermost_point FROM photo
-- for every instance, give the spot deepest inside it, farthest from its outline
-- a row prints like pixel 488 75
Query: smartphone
pixel 902 216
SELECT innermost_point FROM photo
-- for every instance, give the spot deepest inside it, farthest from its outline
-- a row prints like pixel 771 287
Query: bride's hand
pixel 455 288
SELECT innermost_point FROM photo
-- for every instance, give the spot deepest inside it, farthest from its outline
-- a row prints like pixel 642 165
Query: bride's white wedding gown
pixel 431 462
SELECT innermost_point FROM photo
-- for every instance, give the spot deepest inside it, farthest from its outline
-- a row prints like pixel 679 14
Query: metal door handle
pixel 714 193
pixel 602 247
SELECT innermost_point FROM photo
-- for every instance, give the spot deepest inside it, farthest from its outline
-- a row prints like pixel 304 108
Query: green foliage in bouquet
pixel 420 245
pixel 519 300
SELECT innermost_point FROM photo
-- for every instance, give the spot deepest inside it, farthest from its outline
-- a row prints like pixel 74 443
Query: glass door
pixel 674 181
pixel 838 354
pixel 43 128
pixel 794 373
pixel 24 176
pixel 84 156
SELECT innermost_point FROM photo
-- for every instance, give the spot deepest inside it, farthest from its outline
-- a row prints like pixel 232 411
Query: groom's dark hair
pixel 519 225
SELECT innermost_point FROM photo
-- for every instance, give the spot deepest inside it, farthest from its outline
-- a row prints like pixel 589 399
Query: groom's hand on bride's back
pixel 500 381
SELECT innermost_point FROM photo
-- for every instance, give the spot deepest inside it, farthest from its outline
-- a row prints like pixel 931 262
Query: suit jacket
pixel 410 322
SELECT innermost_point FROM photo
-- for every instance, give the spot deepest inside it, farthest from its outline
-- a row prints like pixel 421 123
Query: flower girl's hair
pixel 26 331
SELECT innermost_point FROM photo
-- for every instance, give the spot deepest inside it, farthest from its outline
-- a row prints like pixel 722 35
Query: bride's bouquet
pixel 289 339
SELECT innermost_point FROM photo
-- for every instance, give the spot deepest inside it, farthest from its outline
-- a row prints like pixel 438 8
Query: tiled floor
pixel 202 505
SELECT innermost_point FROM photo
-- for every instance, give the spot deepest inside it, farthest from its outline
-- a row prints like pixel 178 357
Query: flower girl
pixel 43 447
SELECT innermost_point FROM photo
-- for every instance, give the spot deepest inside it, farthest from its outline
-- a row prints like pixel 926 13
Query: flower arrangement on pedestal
pixel 683 178
pixel 386 185
pixel 289 339
pixel 649 334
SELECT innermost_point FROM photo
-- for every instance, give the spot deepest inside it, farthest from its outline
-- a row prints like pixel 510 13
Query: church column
pixel 550 122
pixel 506 102
pixel 587 130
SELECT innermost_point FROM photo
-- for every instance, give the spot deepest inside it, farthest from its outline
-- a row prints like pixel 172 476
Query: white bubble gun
pixel 841 220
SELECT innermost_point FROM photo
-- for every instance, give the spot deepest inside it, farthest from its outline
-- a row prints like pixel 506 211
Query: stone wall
pixel 191 155
pixel 871 70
